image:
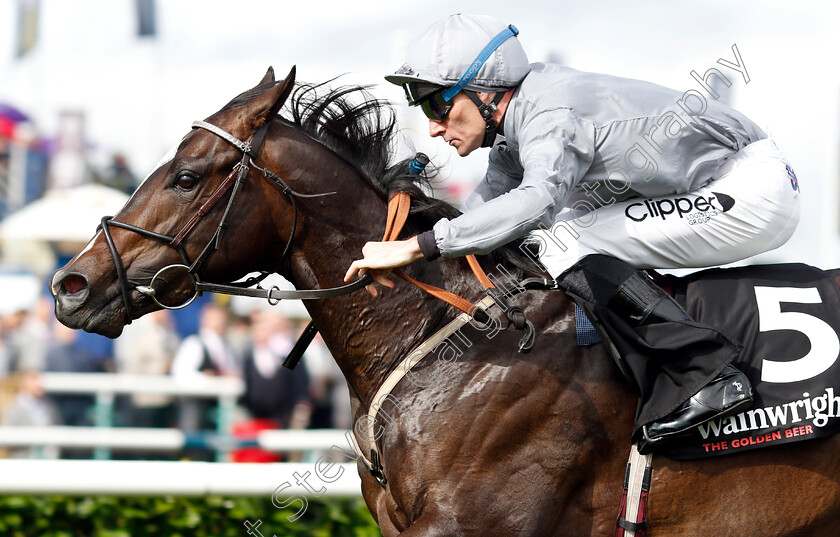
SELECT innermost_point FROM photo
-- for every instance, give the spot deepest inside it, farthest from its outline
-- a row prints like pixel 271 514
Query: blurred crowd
pixel 251 347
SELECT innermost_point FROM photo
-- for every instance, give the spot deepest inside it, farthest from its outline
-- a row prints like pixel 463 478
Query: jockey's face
pixel 463 127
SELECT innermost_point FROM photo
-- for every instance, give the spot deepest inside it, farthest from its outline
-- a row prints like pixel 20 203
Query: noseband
pixel 233 181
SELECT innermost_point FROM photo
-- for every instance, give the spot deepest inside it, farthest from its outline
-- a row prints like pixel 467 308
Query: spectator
pixel 202 354
pixel 271 391
pixel 327 389
pixel 6 359
pixel 65 356
pixel 147 347
pixel 275 397
pixel 31 407
pixel 207 352
pixel 118 175
pixel 238 336
pixel 27 336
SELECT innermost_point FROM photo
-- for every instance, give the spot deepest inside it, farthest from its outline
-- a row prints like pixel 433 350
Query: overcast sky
pixel 140 95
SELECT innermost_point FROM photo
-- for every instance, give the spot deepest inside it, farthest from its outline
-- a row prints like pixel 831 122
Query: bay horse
pixel 486 443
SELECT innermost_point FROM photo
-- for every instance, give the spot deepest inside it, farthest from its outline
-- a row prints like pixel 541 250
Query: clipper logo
pixel 697 210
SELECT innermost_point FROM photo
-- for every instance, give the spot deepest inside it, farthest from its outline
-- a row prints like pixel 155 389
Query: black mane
pixel 361 129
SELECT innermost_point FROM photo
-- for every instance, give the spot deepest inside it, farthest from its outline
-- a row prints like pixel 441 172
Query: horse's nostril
pixel 73 283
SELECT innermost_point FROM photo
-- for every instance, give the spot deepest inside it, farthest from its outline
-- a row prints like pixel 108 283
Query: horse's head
pixel 109 283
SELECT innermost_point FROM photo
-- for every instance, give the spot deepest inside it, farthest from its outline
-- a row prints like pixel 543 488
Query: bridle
pixel 233 182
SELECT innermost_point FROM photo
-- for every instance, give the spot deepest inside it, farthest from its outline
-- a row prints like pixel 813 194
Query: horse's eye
pixel 186 181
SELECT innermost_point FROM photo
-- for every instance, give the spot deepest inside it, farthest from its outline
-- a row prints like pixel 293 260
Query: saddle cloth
pixel 787 317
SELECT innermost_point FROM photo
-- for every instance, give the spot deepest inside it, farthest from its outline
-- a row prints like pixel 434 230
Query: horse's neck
pixel 367 336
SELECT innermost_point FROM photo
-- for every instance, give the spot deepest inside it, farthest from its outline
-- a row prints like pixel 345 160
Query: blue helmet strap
pixel 475 66
pixel 486 110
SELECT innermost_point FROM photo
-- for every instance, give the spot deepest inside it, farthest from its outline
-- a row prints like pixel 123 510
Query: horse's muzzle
pixel 70 290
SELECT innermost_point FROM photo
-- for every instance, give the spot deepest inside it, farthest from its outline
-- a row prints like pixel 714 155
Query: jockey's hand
pixel 380 258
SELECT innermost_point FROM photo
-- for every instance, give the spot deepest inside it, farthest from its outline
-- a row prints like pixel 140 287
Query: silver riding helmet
pixel 471 53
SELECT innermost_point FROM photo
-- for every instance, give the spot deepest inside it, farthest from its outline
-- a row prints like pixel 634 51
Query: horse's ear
pixel 275 97
pixel 268 78
pixel 288 84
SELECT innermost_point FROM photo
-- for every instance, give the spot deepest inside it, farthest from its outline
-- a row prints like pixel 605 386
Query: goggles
pixel 417 91
pixel 435 106
pixel 429 97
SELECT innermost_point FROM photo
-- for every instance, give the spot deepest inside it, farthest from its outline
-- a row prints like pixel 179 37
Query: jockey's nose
pixel 436 128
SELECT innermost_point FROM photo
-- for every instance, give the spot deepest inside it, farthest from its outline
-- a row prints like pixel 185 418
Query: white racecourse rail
pixel 149 439
pixel 115 383
pixel 173 478
pixel 106 386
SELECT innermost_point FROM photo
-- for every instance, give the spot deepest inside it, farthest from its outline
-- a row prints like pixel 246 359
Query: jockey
pixel 606 176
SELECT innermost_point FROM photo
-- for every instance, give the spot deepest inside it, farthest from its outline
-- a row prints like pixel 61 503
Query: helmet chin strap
pixel 486 110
